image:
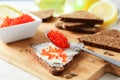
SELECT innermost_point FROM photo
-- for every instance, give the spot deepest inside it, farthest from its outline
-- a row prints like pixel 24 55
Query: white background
pixel 10 72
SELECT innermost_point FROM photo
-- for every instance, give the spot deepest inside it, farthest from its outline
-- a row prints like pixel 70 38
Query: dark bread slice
pixel 70 25
pixel 81 16
pixel 53 70
pixel 45 15
pixel 107 39
pixel 79 27
pixel 87 30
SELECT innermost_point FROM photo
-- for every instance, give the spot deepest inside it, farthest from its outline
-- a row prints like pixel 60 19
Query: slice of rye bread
pixel 73 24
pixel 81 16
pixel 107 39
pixel 79 27
pixel 45 15
pixel 87 30
pixel 52 69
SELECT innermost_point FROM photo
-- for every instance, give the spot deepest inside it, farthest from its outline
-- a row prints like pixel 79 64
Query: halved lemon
pixel 88 3
pixel 105 10
pixel 6 10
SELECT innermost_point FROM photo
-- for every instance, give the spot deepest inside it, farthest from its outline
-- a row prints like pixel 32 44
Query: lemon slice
pixel 106 11
pixel 6 10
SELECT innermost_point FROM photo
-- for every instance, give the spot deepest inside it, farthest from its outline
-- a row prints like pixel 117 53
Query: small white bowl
pixel 20 31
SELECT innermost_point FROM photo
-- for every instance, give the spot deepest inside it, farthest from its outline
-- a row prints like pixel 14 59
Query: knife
pixel 79 46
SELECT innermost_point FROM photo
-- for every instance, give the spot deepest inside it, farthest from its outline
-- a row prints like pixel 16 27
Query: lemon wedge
pixel 6 10
pixel 106 11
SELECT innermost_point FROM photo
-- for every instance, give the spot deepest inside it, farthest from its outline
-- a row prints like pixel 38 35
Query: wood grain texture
pixel 86 66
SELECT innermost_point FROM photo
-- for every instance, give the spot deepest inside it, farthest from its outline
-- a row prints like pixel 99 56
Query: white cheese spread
pixel 57 62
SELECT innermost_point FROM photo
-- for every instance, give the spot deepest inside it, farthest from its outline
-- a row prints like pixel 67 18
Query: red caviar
pixel 58 39
pixel 24 18
pixel 54 53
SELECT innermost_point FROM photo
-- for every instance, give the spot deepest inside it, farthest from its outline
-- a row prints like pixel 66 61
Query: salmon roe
pixel 58 39
pixel 24 18
pixel 54 53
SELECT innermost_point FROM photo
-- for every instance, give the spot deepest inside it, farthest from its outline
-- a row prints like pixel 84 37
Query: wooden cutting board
pixel 86 66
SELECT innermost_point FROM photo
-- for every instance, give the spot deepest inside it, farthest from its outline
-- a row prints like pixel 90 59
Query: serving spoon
pixel 80 46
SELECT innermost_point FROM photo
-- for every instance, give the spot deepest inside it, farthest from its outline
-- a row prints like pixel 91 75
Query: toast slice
pixel 107 39
pixel 79 27
pixel 52 58
pixel 81 16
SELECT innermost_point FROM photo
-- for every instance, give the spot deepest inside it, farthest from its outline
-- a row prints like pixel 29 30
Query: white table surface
pixel 10 72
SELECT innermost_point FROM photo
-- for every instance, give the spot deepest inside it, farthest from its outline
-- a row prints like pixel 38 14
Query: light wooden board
pixel 86 66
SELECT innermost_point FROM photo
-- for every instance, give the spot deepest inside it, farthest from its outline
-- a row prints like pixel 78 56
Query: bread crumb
pixel 73 74
pixel 108 53
pixel 69 75
pixel 26 50
pixel 91 60
pixel 20 50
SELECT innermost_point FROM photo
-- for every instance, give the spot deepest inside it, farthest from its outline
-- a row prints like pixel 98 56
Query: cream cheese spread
pixel 57 62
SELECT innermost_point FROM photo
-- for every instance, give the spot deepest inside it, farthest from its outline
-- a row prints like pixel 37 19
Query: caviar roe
pixel 58 39
pixel 24 18
pixel 59 53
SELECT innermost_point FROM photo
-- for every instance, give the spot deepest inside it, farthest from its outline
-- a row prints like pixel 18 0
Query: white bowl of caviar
pixel 18 28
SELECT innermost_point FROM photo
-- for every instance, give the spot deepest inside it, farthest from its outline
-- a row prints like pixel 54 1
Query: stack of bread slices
pixel 80 21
